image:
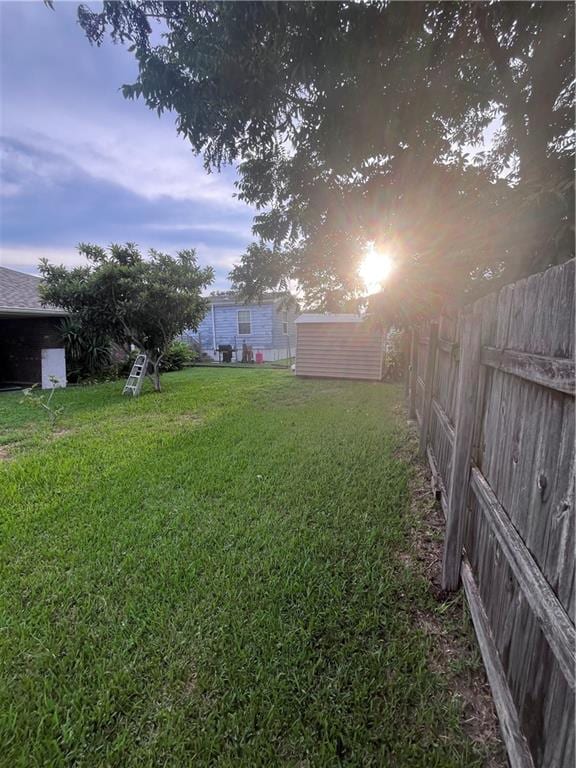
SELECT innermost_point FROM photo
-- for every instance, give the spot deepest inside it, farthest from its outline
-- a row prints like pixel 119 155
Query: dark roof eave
pixel 28 312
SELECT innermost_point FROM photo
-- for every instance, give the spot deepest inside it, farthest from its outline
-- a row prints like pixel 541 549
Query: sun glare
pixel 375 268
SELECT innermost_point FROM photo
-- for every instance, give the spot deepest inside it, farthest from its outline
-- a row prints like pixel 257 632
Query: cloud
pixel 23 167
pixel 153 167
pixel 217 256
pixel 26 258
pixel 10 188
pixel 80 163
pixel 58 204
pixel 70 107
pixel 156 165
pixel 241 230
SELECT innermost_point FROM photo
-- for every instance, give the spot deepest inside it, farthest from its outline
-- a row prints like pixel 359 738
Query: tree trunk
pixel 156 377
pixel 154 363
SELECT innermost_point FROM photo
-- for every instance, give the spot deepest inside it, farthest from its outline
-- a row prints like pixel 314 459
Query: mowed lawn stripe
pixel 211 576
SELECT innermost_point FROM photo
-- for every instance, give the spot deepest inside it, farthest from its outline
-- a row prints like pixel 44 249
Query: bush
pixel 179 354
pixel 88 354
pixel 126 365
pixel 394 356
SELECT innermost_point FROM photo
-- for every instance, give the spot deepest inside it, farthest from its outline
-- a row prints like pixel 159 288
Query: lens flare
pixel 375 268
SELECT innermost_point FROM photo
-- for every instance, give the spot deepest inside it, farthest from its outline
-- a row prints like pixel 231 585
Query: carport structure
pixel 31 347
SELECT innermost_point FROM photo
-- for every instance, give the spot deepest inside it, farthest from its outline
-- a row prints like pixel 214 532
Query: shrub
pixel 178 355
pixel 394 356
pixel 88 354
pixel 126 365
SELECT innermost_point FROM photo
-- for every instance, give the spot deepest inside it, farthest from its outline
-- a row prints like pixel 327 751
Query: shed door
pixel 53 364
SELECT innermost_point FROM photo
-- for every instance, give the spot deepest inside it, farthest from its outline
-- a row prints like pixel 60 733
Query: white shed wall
pixel 339 350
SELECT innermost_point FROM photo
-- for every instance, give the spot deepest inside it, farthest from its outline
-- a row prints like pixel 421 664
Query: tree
pixel 262 268
pixel 132 300
pixel 343 116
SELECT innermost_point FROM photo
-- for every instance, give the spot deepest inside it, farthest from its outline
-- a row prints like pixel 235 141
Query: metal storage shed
pixel 338 346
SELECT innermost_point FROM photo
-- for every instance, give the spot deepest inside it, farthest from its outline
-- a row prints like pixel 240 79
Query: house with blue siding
pixel 266 327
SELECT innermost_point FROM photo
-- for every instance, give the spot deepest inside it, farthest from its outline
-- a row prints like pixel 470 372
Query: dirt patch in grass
pixel 62 432
pixel 188 418
pixel 454 652
pixel 4 454
pixel 191 683
pixel 160 419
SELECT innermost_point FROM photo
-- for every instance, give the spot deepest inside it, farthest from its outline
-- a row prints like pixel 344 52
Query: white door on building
pixel 53 366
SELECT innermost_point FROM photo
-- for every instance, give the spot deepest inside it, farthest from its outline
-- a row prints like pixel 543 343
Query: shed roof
pixel 19 295
pixel 312 317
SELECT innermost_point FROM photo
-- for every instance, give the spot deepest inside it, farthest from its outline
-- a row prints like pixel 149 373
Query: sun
pixel 375 268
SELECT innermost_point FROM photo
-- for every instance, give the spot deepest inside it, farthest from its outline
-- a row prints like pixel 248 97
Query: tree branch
pixel 513 94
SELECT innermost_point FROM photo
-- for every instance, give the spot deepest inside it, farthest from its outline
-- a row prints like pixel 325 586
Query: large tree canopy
pixel 351 122
pixel 132 300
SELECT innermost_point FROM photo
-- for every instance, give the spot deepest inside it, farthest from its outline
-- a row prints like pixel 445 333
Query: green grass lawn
pixel 214 576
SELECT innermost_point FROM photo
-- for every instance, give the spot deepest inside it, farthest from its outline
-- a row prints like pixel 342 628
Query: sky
pixel 79 163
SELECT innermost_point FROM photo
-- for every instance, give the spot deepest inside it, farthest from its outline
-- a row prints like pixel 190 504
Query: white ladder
pixel 136 379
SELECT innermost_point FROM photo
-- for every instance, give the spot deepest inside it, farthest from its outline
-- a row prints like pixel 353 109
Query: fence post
pixel 413 374
pixel 428 385
pixel 468 378
pixel 406 359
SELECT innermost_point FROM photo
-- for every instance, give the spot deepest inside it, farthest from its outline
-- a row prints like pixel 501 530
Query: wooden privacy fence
pixel 492 390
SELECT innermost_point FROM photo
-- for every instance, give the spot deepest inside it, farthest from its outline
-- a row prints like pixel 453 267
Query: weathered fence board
pixel 500 444
pixel 428 385
pixel 547 371
pixel 546 607
pixel 462 448
pixel 518 750
pixel 413 375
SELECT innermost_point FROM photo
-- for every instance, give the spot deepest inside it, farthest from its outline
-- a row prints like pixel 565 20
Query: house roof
pixel 232 300
pixel 19 295
pixel 312 317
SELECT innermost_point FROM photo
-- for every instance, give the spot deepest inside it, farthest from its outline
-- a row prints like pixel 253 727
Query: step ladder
pixel 137 374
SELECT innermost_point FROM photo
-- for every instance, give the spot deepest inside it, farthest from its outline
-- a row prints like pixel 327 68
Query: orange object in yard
pixel 259 357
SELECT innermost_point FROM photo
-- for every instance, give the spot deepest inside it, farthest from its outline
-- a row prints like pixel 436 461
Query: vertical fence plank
pixel 413 374
pixel 428 386
pixel 487 307
pixel 516 746
pixel 406 358
pixel 468 378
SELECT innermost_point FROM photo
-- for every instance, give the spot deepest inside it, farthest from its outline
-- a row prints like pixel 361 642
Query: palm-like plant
pixel 90 352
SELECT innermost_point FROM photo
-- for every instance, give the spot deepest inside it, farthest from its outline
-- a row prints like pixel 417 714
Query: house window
pixel 244 322
pixel 285 322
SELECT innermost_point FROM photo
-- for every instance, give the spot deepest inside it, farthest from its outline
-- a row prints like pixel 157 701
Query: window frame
pixel 285 322
pixel 244 322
